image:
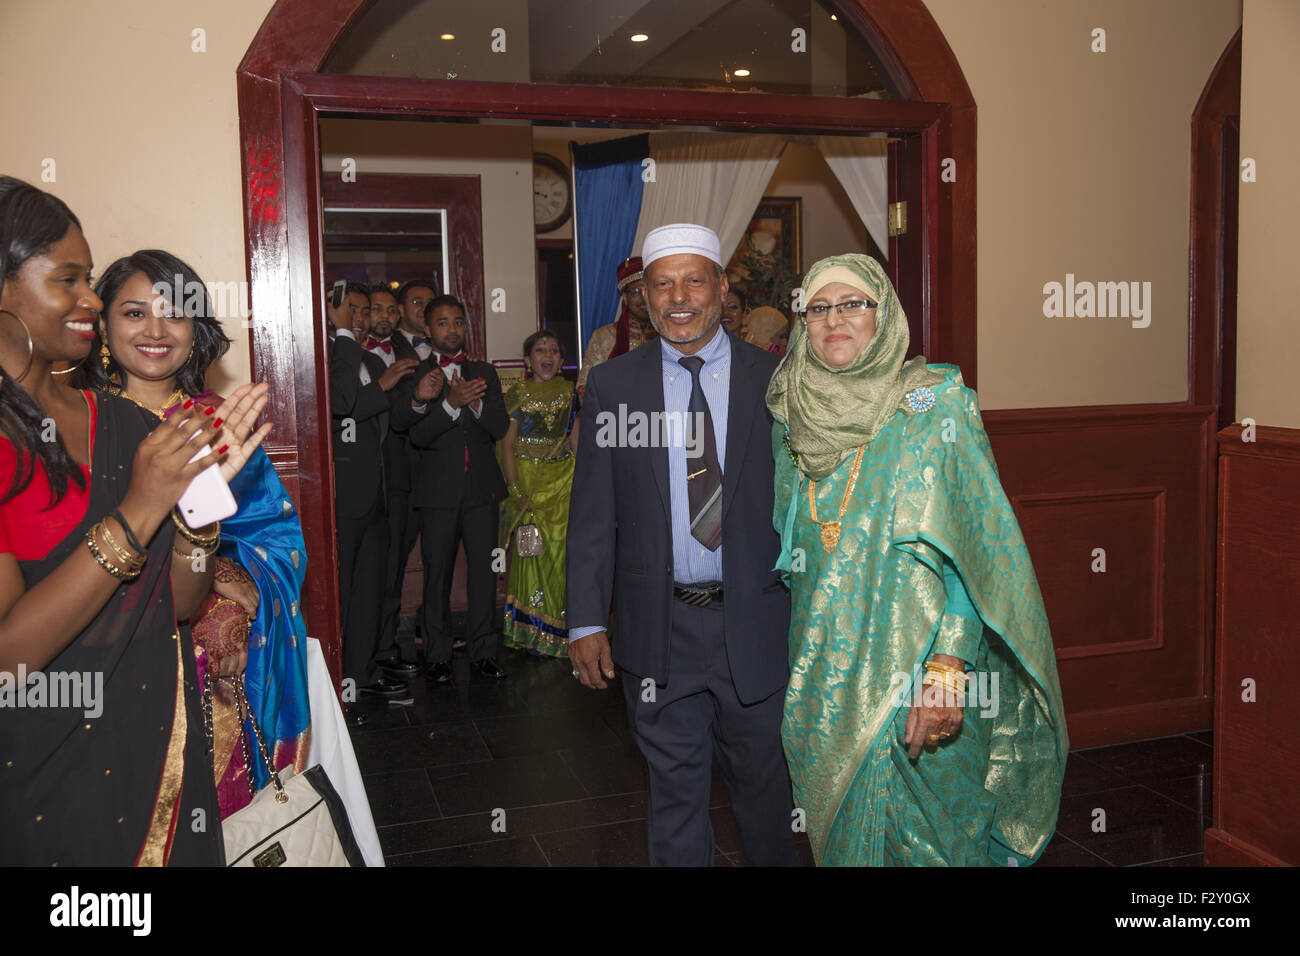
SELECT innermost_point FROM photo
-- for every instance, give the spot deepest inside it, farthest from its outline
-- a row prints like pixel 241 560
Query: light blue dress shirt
pixel 692 562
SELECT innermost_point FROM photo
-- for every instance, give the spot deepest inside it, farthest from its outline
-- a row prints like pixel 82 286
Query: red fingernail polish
pixel 188 403
pixel 217 422
pixel 209 410
pixel 222 449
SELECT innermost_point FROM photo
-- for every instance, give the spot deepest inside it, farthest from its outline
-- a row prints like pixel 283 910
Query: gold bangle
pixel 131 560
pixel 104 562
pixel 203 541
pixel 934 665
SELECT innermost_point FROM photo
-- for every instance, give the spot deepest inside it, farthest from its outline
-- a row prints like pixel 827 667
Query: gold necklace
pixel 831 529
pixel 172 399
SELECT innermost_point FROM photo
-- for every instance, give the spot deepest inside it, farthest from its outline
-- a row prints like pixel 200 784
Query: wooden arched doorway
pixel 282 96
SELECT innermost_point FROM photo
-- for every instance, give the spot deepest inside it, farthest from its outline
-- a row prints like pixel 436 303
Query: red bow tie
pixel 443 361
pixel 372 343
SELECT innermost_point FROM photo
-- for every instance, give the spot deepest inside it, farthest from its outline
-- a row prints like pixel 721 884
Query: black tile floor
pixel 535 770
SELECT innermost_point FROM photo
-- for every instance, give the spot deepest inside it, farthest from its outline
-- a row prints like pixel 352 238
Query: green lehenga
pixel 927 508
pixel 535 595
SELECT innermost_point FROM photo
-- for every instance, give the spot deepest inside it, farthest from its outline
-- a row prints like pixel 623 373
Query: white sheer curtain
pixel 860 165
pixel 710 179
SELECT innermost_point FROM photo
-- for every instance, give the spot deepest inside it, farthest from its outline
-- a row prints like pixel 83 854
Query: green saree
pixel 535 595
pixel 927 507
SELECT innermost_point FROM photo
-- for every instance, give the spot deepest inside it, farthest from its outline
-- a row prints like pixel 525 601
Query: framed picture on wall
pixel 770 253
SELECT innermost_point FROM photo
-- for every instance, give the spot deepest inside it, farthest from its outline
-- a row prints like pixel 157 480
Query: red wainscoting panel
pixel 1132 641
pixel 1257 705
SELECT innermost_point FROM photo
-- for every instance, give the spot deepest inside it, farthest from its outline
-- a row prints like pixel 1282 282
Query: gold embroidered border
pixel 157 844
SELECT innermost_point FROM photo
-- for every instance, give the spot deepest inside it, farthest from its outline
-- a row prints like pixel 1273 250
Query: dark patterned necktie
pixel 703 474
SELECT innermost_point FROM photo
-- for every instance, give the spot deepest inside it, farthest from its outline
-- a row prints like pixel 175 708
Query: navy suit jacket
pixel 620 526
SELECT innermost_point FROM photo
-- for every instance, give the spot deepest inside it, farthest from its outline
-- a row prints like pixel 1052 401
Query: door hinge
pixel 898 218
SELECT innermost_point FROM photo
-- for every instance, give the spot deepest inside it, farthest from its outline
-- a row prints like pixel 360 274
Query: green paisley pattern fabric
pixel 864 619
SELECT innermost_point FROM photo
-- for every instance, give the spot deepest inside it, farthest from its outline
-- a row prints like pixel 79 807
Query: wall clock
pixel 552 193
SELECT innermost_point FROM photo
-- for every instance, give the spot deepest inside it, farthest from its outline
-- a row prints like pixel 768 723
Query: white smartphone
pixel 208 497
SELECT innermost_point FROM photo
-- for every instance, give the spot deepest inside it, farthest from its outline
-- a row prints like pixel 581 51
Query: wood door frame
pixel 281 99
pixel 461 197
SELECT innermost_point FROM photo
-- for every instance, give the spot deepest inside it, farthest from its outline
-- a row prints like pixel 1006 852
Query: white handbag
pixel 296 820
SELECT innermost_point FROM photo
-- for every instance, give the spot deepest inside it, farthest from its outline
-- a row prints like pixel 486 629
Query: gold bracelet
pixel 189 555
pixel 104 562
pixel 131 560
pixel 203 541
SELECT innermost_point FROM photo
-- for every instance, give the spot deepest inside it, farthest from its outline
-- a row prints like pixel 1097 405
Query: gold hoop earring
pixel 30 349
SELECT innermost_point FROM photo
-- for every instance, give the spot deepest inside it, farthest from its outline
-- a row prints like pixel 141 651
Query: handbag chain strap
pixel 245 714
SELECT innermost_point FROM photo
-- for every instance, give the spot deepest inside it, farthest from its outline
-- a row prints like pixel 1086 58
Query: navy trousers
pixel 683 726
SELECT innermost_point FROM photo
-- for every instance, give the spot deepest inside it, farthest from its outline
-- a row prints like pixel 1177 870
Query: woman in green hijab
pixel 923 722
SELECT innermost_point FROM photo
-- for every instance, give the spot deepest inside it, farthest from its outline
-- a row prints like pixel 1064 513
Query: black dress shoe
pixel 395 665
pixel 439 673
pixel 488 667
pixel 386 687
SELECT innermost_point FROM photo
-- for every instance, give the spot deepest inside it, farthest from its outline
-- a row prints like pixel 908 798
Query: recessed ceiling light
pixel 742 73
pixel 447 36
pixel 834 17
pixel 640 37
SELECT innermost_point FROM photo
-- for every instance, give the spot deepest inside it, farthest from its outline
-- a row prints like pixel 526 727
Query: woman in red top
pixel 101 745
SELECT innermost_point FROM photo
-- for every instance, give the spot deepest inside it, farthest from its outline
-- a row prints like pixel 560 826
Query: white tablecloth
pixel 331 747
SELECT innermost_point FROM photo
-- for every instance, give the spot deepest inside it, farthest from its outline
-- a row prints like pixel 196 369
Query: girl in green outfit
pixel 923 720
pixel 537 453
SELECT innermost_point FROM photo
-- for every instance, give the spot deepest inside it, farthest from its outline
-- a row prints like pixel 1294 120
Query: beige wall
pixel 143 131
pixel 1268 333
pixel 502 156
pixel 1084 169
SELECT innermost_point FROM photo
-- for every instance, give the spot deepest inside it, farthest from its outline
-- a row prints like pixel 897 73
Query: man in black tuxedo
pixel 396 653
pixel 681 538
pixel 453 412
pixel 359 406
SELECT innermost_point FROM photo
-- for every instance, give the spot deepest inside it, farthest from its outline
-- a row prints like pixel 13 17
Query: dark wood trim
pixel 1133 646
pixel 281 99
pixel 461 196
pixel 1213 239
pixel 1054 501
pixel 1270 441
pixel 1223 849
pixel 1117 725
pixel 368 96
pixel 1256 754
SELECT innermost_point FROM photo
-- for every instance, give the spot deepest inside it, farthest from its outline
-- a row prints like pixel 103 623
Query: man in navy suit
pixel 681 538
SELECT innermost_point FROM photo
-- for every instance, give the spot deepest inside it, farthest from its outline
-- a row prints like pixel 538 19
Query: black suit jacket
pixel 361 413
pixel 439 440
pixel 399 456
pixel 626 489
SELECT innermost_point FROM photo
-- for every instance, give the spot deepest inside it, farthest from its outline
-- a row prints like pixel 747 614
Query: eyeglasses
pixel 852 309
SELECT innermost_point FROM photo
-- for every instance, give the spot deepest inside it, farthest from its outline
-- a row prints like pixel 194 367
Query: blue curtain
pixel 607 205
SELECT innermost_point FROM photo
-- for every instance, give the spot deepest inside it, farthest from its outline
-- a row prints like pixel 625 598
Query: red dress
pixel 27 530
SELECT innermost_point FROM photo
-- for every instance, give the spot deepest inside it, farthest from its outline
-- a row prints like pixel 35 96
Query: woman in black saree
pixel 102 754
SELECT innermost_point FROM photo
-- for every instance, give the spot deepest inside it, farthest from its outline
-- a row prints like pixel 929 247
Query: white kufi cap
pixel 681 238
